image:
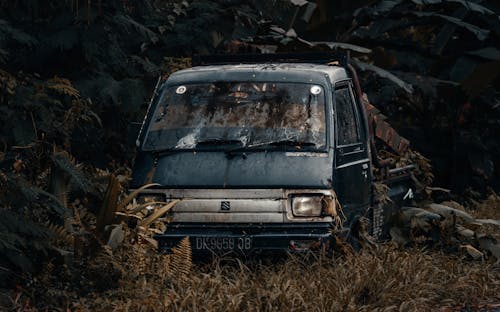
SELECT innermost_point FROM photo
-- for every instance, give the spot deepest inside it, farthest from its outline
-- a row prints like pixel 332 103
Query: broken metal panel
pixel 382 130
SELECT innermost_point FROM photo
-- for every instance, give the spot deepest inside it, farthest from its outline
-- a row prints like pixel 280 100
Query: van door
pixel 352 178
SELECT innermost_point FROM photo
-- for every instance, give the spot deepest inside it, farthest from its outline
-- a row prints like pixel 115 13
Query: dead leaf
pixel 132 195
pixel 473 252
pixel 151 241
pixel 18 164
pixel 158 213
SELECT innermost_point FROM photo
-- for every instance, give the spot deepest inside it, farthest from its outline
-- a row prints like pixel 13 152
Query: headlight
pixel 307 206
pixel 313 205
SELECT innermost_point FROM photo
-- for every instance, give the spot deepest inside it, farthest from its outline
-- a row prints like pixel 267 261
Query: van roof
pixel 335 73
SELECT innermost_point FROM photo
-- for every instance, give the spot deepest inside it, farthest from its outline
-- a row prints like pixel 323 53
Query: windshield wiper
pixel 212 142
pixel 292 143
pixel 284 142
pixel 209 142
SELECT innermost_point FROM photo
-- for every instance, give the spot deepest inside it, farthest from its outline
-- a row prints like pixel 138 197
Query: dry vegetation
pixel 134 277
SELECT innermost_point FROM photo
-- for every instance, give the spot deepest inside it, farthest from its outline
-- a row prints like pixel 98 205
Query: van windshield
pixel 243 114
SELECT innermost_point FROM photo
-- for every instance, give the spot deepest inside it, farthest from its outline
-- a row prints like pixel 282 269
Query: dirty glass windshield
pixel 240 114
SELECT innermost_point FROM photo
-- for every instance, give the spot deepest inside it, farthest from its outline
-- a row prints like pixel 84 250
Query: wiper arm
pixel 292 143
pixel 211 142
pixel 284 142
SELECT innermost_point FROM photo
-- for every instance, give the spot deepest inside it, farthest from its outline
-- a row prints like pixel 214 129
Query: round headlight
pixel 307 206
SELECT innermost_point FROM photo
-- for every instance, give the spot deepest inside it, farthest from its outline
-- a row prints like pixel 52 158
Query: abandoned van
pixel 263 156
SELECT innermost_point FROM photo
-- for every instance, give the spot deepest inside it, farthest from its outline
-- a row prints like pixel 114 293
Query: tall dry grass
pixel 135 277
pixel 382 279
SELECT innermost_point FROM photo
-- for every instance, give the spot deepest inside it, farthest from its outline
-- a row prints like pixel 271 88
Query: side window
pixel 347 123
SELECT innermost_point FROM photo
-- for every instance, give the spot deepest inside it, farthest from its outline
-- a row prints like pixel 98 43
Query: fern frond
pixel 181 260
pixel 29 194
pixel 85 218
pixel 64 162
pixel 60 233
pixel 63 86
pixel 165 269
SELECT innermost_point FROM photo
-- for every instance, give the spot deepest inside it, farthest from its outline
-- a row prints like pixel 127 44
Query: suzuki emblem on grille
pixel 225 206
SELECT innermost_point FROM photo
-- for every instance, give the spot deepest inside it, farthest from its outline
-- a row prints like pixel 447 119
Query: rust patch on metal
pixel 151 173
pixel 382 130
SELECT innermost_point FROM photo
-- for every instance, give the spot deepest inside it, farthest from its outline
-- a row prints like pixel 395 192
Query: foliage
pixel 384 278
pixel 21 238
pixel 36 116
pixel 439 47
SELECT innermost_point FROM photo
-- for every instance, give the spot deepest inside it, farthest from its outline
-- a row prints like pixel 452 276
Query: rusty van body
pixel 263 156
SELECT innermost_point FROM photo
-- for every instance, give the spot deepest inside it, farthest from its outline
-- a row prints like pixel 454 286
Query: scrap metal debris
pixel 449 227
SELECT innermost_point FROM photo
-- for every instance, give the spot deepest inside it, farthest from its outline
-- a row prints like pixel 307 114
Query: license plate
pixel 223 243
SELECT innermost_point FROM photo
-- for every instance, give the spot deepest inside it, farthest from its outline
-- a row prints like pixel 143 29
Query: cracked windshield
pixel 226 115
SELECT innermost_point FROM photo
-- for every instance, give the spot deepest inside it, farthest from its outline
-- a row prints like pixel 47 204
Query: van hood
pixel 216 169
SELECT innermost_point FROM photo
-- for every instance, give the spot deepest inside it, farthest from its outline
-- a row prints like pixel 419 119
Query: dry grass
pixel 384 279
pixel 488 209
pixel 135 277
